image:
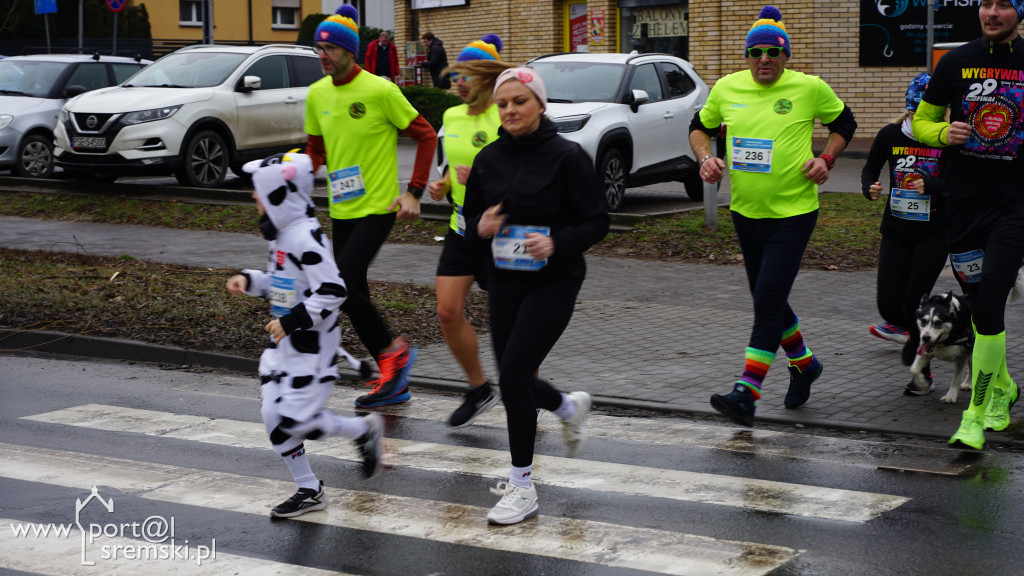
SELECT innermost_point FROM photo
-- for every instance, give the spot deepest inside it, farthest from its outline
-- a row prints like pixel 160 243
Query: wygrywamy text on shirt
pixel 996 73
pixel 913 150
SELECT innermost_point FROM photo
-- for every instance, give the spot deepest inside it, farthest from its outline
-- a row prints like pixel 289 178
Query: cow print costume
pixel 305 291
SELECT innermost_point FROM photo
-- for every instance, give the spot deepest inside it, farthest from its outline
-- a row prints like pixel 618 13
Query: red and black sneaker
pixel 393 385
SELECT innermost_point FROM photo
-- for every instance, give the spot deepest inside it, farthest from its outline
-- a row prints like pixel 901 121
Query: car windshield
pixel 29 77
pixel 189 69
pixel 579 81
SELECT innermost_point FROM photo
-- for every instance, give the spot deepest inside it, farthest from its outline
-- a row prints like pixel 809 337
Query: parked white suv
pixel 193 113
pixel 631 114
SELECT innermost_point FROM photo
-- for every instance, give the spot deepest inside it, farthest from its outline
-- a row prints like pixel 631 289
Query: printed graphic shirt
pixel 982 84
pixel 358 123
pixel 776 119
pixel 464 137
pixel 908 160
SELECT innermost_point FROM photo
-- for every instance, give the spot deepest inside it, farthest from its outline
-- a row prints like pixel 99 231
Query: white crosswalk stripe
pixel 673 432
pixel 777 497
pixel 567 538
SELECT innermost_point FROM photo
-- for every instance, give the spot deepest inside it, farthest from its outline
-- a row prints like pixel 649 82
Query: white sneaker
pixel 516 504
pixel 574 430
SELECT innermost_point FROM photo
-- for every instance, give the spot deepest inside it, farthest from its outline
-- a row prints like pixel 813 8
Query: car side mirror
pixel 638 97
pixel 74 90
pixel 250 83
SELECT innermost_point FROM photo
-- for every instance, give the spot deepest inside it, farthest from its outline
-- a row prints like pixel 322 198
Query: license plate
pixel 89 142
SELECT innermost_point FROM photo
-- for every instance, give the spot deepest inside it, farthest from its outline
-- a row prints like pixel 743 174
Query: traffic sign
pixel 46 6
pixel 116 5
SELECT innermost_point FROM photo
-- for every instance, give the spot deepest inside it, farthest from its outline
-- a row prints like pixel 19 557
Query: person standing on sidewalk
pixel 352 120
pixel 770 113
pixel 437 60
pixel 534 198
pixel 981 84
pixel 297 371
pixel 382 57
pixel 468 127
pixel 913 250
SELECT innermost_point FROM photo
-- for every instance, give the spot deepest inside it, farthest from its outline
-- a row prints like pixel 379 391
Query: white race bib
pixel 968 265
pixel 346 184
pixel 509 250
pixel 282 295
pixel 752 155
pixel 909 205
pixel 460 220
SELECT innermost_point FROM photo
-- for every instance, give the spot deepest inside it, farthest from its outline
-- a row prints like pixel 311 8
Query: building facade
pixel 711 34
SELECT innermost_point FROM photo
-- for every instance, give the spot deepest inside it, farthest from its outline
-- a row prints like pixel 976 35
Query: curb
pixel 15 341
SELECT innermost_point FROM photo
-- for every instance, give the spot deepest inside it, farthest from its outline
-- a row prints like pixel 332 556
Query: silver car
pixel 32 91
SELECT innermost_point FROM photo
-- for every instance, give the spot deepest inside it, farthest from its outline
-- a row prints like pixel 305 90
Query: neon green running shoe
pixel 970 433
pixel 997 415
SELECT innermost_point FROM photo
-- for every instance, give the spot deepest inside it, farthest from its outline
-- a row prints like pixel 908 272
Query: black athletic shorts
pixel 459 258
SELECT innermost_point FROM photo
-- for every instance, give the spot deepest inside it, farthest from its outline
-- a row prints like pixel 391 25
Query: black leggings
pixel 997 228
pixel 527 319
pixel 356 243
pixel 907 269
pixel 772 250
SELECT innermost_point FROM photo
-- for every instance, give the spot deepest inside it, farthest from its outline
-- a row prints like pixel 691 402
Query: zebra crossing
pixel 591 543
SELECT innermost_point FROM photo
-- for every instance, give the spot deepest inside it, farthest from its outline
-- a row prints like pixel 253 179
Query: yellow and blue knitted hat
pixel 340 28
pixel 486 48
pixel 770 30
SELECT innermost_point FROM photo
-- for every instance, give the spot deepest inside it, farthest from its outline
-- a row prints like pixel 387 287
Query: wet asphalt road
pixel 648 496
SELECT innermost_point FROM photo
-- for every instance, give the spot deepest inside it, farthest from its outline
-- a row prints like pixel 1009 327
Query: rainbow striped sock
pixel 793 343
pixel 755 369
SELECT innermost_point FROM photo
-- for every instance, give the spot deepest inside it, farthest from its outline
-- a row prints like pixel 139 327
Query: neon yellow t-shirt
pixel 464 137
pixel 778 118
pixel 358 122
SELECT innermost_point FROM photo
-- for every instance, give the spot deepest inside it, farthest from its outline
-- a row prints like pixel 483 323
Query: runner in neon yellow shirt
pixel 352 118
pixel 769 113
pixel 468 128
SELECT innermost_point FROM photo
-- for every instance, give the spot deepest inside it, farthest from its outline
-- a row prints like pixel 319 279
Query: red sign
pixel 116 5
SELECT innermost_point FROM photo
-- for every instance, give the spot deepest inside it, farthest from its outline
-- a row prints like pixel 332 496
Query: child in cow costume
pixel 297 369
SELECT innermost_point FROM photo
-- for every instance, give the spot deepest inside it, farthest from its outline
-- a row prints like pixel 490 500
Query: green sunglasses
pixel 773 52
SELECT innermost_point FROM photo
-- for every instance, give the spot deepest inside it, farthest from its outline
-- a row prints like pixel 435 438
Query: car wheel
pixel 612 172
pixel 694 186
pixel 35 157
pixel 204 162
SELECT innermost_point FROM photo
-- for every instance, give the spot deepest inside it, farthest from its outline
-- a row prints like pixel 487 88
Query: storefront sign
pixel 578 28
pixel 660 21
pixel 895 33
pixel 596 27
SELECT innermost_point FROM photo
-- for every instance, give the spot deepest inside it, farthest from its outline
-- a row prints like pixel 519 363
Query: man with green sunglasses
pixel 770 114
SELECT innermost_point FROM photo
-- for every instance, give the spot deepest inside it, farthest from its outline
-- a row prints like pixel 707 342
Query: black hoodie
pixel 540 179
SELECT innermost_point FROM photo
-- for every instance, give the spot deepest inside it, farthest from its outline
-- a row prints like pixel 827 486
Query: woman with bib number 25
pixel 534 200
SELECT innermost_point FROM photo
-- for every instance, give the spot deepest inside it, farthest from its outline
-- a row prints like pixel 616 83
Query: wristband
pixel 702 160
pixel 416 191
pixel 830 162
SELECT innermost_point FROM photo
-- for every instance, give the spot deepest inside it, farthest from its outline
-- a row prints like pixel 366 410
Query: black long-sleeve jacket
pixel 540 179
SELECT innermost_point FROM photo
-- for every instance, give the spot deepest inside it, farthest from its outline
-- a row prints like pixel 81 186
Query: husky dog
pixel 944 322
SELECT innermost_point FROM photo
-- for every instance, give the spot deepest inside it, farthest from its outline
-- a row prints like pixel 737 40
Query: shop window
pixel 645 78
pixel 679 83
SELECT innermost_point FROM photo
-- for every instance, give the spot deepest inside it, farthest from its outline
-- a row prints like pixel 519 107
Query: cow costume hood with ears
pixel 284 184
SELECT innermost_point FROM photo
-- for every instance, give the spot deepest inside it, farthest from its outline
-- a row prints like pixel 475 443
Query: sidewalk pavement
pixel 651 335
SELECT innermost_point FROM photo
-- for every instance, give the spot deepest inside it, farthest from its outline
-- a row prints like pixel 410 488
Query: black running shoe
pixel 738 404
pixel 305 500
pixel 371 446
pixel 800 384
pixel 478 400
pixel 911 389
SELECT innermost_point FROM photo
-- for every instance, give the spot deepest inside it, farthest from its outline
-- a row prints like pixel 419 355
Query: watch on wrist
pixel 416 191
pixel 830 162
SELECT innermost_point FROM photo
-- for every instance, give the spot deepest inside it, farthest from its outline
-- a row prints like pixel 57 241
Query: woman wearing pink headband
pixel 534 201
